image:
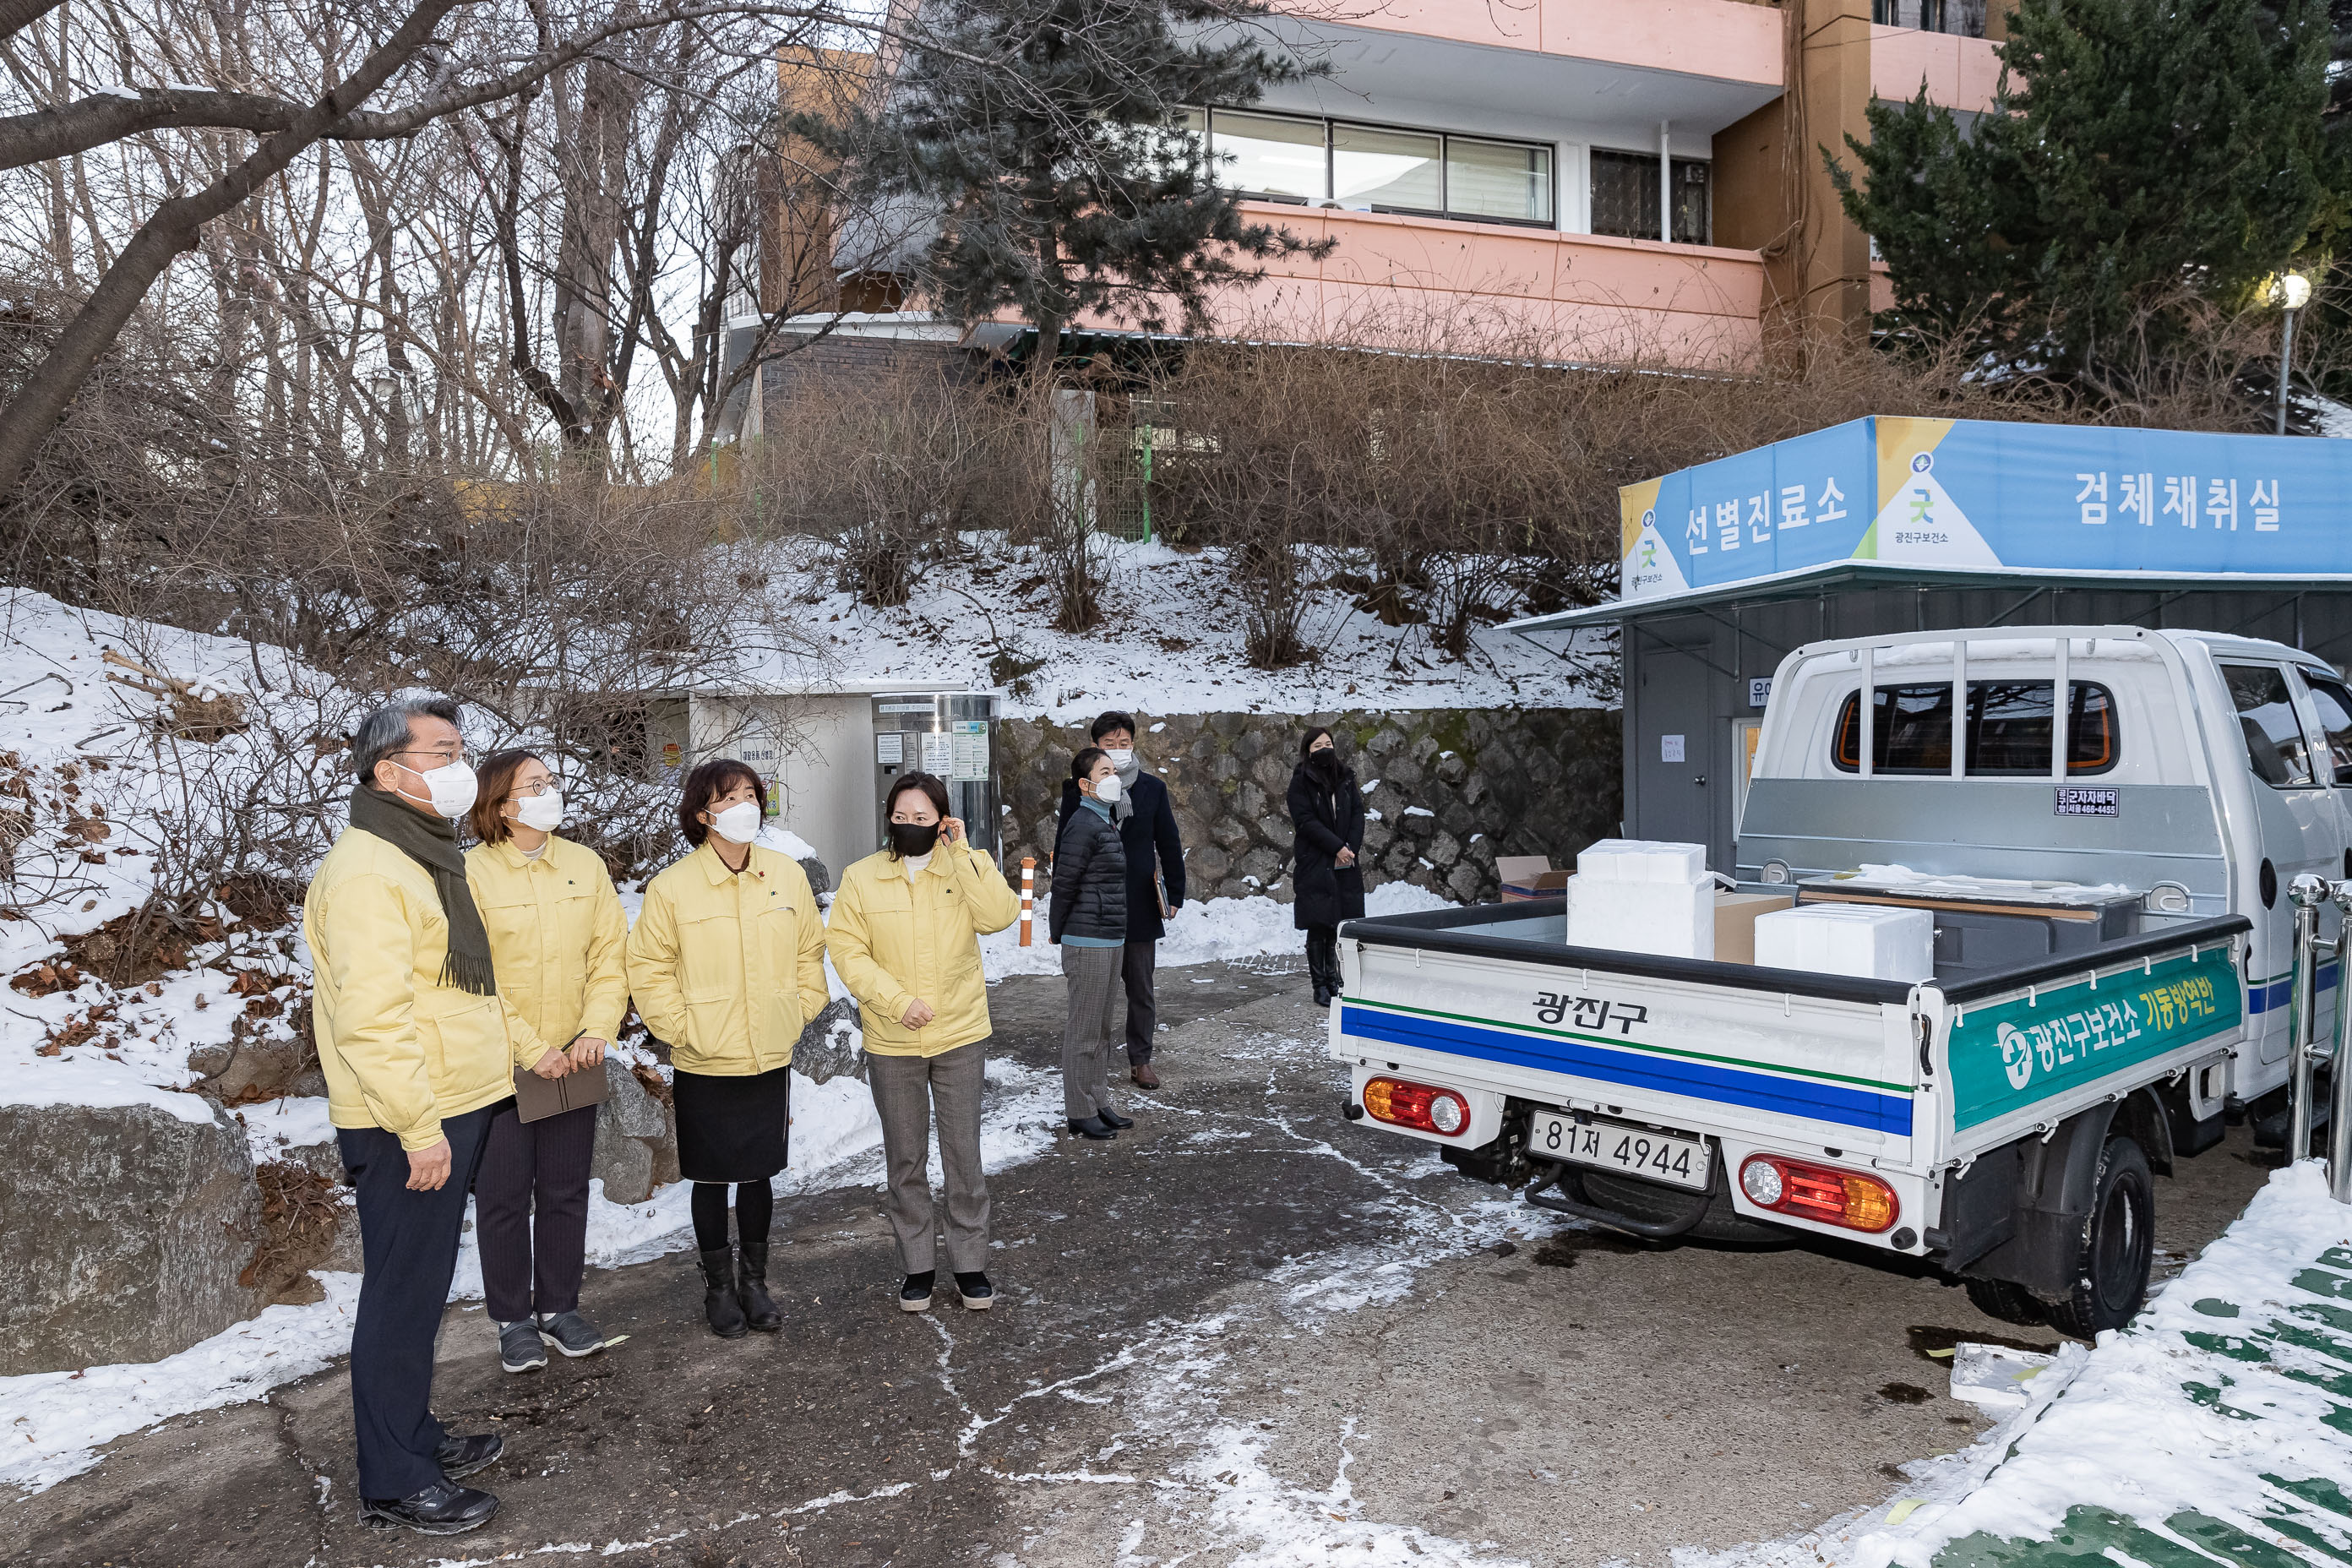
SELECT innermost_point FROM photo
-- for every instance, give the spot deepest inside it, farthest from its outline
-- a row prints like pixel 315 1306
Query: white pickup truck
pixel 2103 822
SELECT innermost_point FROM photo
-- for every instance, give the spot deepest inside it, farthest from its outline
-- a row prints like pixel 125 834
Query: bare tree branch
pixel 175 227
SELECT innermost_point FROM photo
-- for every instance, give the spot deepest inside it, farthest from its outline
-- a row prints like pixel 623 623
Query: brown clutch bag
pixel 537 1097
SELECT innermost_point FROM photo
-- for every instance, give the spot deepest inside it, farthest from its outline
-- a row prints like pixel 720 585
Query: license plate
pixel 1615 1146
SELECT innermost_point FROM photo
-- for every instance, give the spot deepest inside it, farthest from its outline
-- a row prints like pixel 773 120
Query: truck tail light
pixel 1421 1106
pixel 1822 1193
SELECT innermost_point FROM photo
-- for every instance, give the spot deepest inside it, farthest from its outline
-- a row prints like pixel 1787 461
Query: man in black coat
pixel 1155 865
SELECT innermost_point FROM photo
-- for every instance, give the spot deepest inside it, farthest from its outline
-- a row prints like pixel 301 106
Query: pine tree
pixel 1045 136
pixel 2138 152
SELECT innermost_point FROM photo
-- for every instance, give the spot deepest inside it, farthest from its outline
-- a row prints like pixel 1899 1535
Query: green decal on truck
pixel 2026 1050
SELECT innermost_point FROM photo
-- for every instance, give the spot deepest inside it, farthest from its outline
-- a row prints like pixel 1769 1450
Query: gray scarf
pixel 1127 777
pixel 432 843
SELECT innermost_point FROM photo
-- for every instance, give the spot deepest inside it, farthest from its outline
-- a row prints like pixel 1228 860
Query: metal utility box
pixel 811 743
pixel 950 734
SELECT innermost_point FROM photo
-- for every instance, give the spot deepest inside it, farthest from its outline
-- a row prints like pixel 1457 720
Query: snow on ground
pixel 2215 1400
pixel 1172 643
pixel 836 1142
pixel 1208 932
pixel 101 791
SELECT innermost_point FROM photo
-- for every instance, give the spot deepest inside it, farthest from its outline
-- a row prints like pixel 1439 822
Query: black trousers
pixel 410 1243
pixel 530 1212
pixel 1139 965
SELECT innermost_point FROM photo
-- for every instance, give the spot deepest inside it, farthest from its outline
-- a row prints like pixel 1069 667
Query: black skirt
pixel 731 1129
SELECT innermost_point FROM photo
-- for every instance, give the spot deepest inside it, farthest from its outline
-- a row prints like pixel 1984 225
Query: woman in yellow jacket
pixel 556 935
pixel 905 938
pixel 726 960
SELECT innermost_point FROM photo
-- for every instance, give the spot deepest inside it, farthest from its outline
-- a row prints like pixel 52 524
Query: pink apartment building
pixel 1624 179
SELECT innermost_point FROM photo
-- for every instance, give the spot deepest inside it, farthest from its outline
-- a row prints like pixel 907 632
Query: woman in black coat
pixel 1326 812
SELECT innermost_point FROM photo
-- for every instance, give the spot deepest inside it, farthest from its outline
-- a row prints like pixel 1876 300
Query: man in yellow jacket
pixel 417 1048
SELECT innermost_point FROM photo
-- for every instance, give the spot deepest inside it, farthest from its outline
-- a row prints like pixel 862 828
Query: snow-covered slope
pixel 1172 642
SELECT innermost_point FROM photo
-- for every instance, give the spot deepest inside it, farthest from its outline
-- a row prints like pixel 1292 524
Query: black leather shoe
pixel 751 1288
pixel 915 1292
pixel 440 1510
pixel 461 1456
pixel 974 1291
pixel 1093 1128
pixel 720 1305
pixel 1113 1120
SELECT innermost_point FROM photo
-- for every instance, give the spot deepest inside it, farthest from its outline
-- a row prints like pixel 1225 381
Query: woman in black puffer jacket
pixel 1326 812
pixel 1089 918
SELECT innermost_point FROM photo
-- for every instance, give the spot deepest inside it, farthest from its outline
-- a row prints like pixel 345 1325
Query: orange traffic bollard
pixel 1028 896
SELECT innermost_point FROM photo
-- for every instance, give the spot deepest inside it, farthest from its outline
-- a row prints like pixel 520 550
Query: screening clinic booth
pixel 824 747
pixel 1885 525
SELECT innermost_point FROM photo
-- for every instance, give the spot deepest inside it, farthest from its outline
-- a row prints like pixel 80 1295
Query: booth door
pixel 1676 768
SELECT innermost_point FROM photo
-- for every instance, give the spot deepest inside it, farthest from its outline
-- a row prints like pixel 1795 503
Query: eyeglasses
pixel 534 790
pixel 443 757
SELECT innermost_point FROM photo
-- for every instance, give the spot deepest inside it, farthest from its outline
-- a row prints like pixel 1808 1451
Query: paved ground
pixel 1247 1333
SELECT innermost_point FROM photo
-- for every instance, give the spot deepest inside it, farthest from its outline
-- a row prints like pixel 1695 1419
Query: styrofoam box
pixel 1870 941
pixel 1642 860
pixel 1669 920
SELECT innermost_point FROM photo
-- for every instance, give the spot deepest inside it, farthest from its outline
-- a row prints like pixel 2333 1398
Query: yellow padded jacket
pixel 557 935
pixel 729 967
pixel 894 939
pixel 400 1050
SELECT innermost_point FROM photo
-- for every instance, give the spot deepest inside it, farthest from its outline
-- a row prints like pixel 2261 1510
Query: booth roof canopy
pixel 1885 499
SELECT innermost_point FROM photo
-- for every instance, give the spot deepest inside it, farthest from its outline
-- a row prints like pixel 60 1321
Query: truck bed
pixel 1908 1076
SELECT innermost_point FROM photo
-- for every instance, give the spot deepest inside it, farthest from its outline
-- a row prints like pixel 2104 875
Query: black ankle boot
pixel 1319 969
pixel 752 1288
pixel 719 1302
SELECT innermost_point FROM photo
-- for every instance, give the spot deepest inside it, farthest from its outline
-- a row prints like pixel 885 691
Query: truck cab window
pixel 2008 730
pixel 2334 702
pixel 2275 748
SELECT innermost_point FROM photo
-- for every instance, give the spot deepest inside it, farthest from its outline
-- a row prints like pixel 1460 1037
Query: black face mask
pixel 1324 761
pixel 913 839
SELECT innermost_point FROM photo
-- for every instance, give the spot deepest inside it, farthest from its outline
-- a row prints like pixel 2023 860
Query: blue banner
pixel 1948 494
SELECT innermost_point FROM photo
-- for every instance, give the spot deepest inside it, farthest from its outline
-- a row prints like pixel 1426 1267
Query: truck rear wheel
pixel 2009 1303
pixel 2110 1273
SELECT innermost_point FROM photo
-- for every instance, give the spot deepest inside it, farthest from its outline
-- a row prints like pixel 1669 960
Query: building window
pixel 1498 179
pixel 1268 155
pixel 1388 170
pixel 1625 196
pixel 1966 17
pixel 1378 168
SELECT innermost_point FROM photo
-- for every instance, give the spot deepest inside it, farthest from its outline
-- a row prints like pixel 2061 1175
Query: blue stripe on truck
pixel 2279 992
pixel 1636 1069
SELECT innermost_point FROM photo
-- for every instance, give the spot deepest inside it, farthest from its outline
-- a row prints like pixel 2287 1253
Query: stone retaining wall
pixel 1453 788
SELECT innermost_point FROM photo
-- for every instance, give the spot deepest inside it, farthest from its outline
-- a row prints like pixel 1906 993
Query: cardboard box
pixel 1734 923
pixel 1528 877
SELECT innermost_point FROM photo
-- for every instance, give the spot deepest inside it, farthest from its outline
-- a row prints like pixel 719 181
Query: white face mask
pixel 543 811
pixel 452 789
pixel 739 823
pixel 1107 790
pixel 1122 758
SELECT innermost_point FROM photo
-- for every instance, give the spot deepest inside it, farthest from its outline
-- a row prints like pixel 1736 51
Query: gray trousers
pixel 1096 1001
pixel 910 1094
pixel 1139 962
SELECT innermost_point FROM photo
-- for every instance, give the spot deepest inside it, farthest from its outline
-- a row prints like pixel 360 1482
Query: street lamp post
pixel 2292 291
